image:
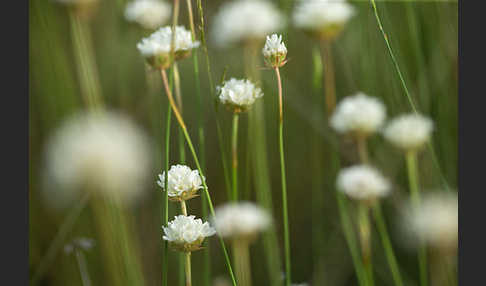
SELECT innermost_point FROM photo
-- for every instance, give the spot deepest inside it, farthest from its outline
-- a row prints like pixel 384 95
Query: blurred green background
pixel 424 36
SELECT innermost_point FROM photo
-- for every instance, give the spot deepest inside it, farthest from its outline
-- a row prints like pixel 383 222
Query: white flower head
pixel 149 14
pixel 156 47
pixel 324 18
pixel 238 94
pixel 183 183
pixel 434 220
pixel 104 153
pixel 358 114
pixel 274 51
pixel 185 233
pixel 242 20
pixel 240 220
pixel 362 182
pixel 409 132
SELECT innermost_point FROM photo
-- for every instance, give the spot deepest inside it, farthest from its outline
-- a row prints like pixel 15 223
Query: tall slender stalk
pixel 241 258
pixel 165 255
pixel 187 268
pixel 411 158
pixel 196 160
pixel 365 240
pixel 234 152
pixel 288 279
pixel 329 81
pixel 83 269
pixel 380 221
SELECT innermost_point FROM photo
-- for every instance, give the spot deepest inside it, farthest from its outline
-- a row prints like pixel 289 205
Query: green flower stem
pixel 85 65
pixel 187 268
pixel 165 255
pixel 365 240
pixel 196 160
pixel 234 153
pixel 329 78
pixel 380 221
pixel 83 268
pixel 241 258
pixel 412 168
pixel 183 207
pixel 288 279
pixel 57 243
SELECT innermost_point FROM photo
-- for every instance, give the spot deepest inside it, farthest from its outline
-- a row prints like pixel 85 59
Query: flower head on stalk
pixel 242 220
pixel 363 183
pixel 183 183
pixel 324 19
pixel 274 51
pixel 185 233
pixel 156 48
pixel 238 94
pixel 434 221
pixel 358 114
pixel 245 20
pixel 150 14
pixel 409 132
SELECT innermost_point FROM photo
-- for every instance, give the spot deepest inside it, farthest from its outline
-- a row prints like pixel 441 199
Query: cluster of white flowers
pixel 240 220
pixel 435 220
pixel 324 17
pixel 238 94
pixel 103 152
pixel 150 14
pixel 362 182
pixel 409 132
pixel 182 182
pixel 156 48
pixel 359 114
pixel 185 233
pixel 274 51
pixel 245 19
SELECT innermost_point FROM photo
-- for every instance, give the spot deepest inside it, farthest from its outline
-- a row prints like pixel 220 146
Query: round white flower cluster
pixel 185 233
pixel 362 182
pixel 409 132
pixel 240 220
pixel 274 51
pixel 435 220
pixel 150 14
pixel 156 47
pixel 359 114
pixel 238 94
pixel 242 20
pixel 103 152
pixel 325 18
pixel 182 183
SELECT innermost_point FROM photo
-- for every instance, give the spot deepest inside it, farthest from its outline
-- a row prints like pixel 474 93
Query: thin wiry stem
pixel 196 160
pixel 165 255
pixel 411 158
pixel 58 240
pixel 234 152
pixel 288 279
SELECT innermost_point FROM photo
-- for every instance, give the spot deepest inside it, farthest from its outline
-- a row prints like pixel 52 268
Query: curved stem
pixel 288 279
pixel 196 160
pixel 411 158
pixel 234 152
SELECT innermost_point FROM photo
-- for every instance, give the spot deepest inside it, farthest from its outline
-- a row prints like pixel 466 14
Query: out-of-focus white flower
pixel 434 220
pixel 240 220
pixel 243 20
pixel 105 153
pixel 274 51
pixel 150 14
pixel 299 284
pixel 359 114
pixel 409 132
pixel 156 47
pixel 185 233
pixel 183 183
pixel 362 182
pixel 238 94
pixel 324 18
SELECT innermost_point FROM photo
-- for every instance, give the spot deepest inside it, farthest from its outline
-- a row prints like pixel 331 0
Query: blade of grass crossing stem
pixel 407 93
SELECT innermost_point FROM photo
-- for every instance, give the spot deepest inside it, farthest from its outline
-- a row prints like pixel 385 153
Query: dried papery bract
pixel 149 14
